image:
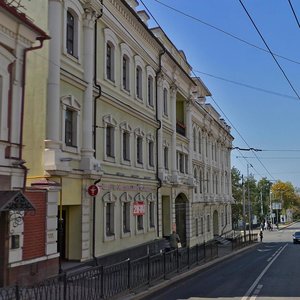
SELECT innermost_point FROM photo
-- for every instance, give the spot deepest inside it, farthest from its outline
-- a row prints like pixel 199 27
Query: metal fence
pixel 103 282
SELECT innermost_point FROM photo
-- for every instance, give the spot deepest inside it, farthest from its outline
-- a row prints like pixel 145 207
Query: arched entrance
pixel 216 222
pixel 180 214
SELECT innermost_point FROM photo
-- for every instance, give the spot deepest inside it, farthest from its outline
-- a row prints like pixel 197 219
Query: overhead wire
pixel 222 112
pixel 294 13
pixel 225 32
pixel 272 54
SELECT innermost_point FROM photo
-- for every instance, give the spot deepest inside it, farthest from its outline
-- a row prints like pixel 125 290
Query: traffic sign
pixel 93 190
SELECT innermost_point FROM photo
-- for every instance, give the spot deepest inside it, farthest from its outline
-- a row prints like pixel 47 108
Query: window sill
pixel 71 149
pixel 109 238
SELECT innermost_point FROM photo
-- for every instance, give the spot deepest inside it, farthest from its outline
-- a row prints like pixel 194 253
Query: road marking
pixel 256 292
pixel 255 283
pixel 264 250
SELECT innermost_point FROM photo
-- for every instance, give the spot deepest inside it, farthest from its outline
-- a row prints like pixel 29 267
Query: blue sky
pixel 261 107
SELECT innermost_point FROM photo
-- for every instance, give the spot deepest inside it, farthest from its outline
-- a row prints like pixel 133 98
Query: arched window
pixel 110 59
pixel 70 33
pixel 139 82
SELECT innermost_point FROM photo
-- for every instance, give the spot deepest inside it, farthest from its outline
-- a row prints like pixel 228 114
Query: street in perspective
pixel 269 270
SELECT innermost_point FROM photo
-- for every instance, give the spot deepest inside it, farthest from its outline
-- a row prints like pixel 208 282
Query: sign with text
pixel 276 205
pixel 138 208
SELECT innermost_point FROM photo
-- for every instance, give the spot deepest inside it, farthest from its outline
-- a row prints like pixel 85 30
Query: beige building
pixel 115 108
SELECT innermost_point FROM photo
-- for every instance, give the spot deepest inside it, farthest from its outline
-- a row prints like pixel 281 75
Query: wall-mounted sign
pixel 138 208
pixel 93 190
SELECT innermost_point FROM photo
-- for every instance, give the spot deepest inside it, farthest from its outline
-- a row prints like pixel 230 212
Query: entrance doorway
pixel 180 214
pixel 61 239
pixel 216 223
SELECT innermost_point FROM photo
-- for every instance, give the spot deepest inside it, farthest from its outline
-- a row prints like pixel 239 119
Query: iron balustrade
pixel 104 282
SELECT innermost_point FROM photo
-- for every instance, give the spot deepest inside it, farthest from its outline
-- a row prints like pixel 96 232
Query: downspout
pixel 96 84
pixel 158 128
pixel 41 39
pixel 94 132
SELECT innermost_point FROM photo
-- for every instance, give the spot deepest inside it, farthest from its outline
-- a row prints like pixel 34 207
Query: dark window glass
pixel 70 33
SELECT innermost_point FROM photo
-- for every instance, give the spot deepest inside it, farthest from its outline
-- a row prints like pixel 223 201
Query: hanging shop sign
pixel 138 208
pixel 93 190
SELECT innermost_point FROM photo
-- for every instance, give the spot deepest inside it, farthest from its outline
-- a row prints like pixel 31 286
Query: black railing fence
pixel 103 282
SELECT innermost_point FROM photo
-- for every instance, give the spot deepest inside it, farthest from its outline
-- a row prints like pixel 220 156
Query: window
pixel 151 214
pixel 186 161
pixel 197 227
pixel 181 162
pixel 126 146
pixel 199 143
pixel 110 131
pixel 151 153
pixel 125 73
pixel 140 222
pixel 201 182
pixel 109 219
pixel 166 158
pixel 70 111
pixel 70 128
pixel 139 92
pixel 70 33
pixel 110 61
pixel 126 217
pixel 150 91
pixel 139 150
pixel 195 181
pixel 201 225
pixel 208 223
pixel 194 140
pixel 165 102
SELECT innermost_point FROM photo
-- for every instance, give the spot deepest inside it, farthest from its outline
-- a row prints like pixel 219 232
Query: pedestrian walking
pixel 261 235
pixel 174 240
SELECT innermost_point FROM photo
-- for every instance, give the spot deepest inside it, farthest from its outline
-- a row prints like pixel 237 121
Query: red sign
pixel 93 190
pixel 138 208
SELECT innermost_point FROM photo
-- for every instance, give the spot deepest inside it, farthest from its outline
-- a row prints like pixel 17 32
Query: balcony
pixel 180 128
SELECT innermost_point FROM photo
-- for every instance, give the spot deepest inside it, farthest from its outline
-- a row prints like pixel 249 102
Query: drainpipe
pixel 41 39
pixel 96 84
pixel 159 127
pixel 94 133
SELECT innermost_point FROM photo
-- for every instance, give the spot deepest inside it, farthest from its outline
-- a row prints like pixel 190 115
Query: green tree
pixel 237 193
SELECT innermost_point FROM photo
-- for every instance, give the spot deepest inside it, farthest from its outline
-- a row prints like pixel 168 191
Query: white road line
pixel 248 293
pixel 256 292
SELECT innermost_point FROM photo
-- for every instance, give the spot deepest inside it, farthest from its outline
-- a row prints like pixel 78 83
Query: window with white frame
pixel 139 82
pixel 194 140
pixel 182 162
pixel 126 59
pixel 195 181
pixel 150 142
pixel 165 102
pixel 166 158
pixel 199 142
pixel 70 121
pixel 126 217
pixel 151 153
pixel 140 217
pixel 70 127
pixel 126 199
pixel 125 130
pixel 125 73
pixel 201 181
pixel 109 137
pixel 140 222
pixel 110 47
pixel 208 223
pixel 72 32
pixel 152 214
pixel 110 59
pixel 139 137
pixel 201 225
pixel 150 87
pixel 109 215
pixel 126 146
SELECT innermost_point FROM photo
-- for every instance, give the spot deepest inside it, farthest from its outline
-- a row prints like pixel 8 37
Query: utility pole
pixel 261 204
pixel 244 207
pixel 249 203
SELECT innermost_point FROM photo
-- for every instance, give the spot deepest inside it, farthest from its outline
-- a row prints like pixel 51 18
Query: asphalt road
pixel 271 270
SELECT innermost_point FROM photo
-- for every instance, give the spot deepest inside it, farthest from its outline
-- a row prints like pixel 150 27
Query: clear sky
pixel 249 90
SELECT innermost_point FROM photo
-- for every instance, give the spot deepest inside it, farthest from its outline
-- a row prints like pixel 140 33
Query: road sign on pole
pixel 93 190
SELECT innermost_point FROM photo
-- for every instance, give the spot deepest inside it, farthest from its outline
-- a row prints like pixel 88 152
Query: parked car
pixel 296 237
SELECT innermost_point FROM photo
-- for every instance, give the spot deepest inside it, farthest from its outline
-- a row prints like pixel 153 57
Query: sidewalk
pixel 224 252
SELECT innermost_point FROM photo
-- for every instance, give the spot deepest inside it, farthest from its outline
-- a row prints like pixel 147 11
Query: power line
pixel 247 85
pixel 252 149
pixel 294 13
pixel 262 38
pixel 225 32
